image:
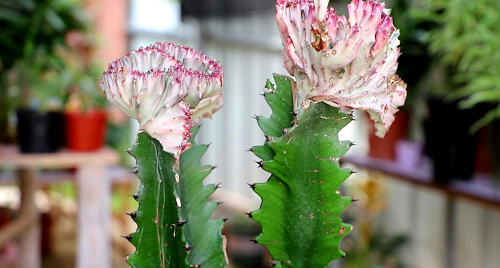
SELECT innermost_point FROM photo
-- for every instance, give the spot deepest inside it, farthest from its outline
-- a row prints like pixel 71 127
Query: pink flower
pixel 347 63
pixel 167 88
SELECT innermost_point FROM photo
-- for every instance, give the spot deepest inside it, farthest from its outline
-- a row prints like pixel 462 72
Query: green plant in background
pixel 168 89
pixel 416 54
pixel 338 65
pixel 80 82
pixel 32 29
pixel 371 246
pixel 381 250
pixel 466 38
pixel 39 82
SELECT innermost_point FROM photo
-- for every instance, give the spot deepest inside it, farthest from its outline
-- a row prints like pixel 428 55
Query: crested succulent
pixel 168 88
pixel 347 63
pixel 338 65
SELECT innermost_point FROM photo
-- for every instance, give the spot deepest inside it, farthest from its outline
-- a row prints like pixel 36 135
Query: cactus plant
pixel 168 89
pixel 337 65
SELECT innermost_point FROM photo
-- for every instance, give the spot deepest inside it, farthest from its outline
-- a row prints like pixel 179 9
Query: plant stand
pixel 94 193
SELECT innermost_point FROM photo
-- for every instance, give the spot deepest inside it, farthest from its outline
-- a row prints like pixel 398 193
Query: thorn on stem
pixel 128 237
pixel 253 240
pixel 132 215
pixel 135 196
pixel 135 170
pixel 355 200
pixel 260 163
pixel 353 143
pixel 180 223
pixel 219 203
pixel 353 171
pixel 250 150
pixel 249 214
pixel 208 145
pixel 214 167
pixel 224 219
pixel 252 185
pixel 187 247
pixel 295 113
pixel 256 117
pixel 128 150
pixel 217 186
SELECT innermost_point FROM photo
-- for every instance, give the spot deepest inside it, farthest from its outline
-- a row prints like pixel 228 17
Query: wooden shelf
pixel 11 157
pixel 480 188
pixel 94 194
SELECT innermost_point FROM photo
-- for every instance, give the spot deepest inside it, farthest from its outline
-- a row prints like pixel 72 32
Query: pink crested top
pixel 347 63
pixel 167 88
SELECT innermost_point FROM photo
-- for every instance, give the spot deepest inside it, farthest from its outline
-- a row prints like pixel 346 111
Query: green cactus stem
pixel 174 225
pixel 301 206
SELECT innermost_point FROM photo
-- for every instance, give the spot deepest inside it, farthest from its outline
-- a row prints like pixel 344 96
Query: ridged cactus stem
pixel 338 64
pixel 168 88
pixel 301 202
pixel 174 225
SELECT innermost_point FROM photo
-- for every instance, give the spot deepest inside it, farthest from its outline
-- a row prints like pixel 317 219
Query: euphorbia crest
pixel 167 88
pixel 347 63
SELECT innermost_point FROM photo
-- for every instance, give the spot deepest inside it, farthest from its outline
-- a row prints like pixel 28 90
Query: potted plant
pixel 85 114
pixel 39 118
pixel 465 41
pixel 29 56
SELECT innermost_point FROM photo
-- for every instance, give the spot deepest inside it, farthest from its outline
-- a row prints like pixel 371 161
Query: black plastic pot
pixel 39 132
pixel 449 142
pixel 225 8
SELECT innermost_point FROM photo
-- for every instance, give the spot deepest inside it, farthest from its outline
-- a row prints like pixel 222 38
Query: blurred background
pixel 429 192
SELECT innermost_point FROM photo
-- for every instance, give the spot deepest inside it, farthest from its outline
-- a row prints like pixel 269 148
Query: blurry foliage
pixel 41 77
pixel 415 59
pixel 381 251
pixel 29 26
pixel 31 32
pixel 81 78
pixel 467 42
pixel 370 246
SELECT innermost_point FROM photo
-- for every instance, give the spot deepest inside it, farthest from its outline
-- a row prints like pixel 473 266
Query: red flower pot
pixel 385 148
pixel 85 131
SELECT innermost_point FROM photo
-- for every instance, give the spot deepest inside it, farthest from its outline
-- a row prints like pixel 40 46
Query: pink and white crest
pixel 347 63
pixel 167 88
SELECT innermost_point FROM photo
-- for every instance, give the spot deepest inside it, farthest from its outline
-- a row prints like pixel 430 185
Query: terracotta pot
pixel 85 131
pixel 385 148
pixel 483 160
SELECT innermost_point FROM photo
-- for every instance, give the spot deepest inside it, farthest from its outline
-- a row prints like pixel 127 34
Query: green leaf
pixel 173 219
pixel 301 204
